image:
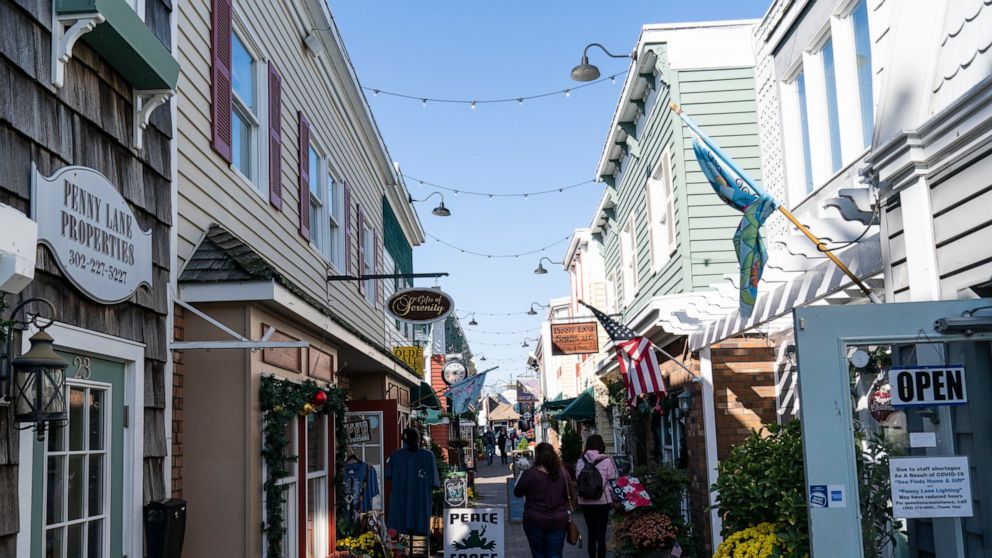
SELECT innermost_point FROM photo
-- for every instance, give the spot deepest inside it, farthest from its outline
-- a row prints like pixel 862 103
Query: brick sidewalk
pixel 490 486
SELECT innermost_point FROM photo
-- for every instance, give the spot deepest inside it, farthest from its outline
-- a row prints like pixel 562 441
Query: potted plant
pixel 656 528
pixel 648 533
pixel 571 448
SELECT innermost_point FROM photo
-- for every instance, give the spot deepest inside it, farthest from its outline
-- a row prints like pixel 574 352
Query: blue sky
pixel 506 48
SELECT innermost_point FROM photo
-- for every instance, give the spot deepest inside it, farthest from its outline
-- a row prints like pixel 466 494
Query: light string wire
pixel 491 195
pixel 518 332
pixel 485 255
pixel 474 102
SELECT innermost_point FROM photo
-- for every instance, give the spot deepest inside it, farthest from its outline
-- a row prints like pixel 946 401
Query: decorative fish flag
pixel 465 393
pixel 737 192
pixel 639 366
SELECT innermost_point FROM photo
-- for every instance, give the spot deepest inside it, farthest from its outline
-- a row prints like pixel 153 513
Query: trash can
pixel 165 527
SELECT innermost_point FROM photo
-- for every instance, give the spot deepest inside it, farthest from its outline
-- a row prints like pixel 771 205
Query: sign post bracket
pixel 241 342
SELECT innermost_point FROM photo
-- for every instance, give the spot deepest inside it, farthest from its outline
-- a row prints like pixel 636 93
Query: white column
pixel 848 92
pixel 921 253
pixel 709 430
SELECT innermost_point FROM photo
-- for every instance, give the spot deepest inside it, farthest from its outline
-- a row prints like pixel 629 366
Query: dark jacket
pixel 547 501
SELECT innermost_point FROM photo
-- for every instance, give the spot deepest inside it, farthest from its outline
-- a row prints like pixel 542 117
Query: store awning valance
pixel 557 404
pixel 582 407
pixel 424 396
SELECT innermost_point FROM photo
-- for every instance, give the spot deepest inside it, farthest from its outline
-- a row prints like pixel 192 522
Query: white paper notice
pixel 930 487
pixel 922 439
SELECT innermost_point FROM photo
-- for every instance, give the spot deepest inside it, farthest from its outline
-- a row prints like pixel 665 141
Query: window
pixel 244 110
pixel 611 293
pixel 833 118
pixel 800 84
pixel 862 51
pixel 317 491
pixel 317 233
pixel 335 217
pixel 368 261
pixel 289 541
pixel 661 211
pixel 628 261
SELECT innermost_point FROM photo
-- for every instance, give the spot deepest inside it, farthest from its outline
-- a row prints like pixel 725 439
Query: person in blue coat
pixel 413 472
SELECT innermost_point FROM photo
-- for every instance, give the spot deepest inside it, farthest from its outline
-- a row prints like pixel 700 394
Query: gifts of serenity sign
pixel 92 232
pixel 420 306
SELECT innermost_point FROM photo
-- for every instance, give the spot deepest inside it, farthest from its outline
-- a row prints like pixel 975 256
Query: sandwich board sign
pixel 473 533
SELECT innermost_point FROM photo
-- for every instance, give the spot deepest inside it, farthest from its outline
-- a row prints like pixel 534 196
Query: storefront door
pixel 76 492
pixel 384 439
pixel 885 396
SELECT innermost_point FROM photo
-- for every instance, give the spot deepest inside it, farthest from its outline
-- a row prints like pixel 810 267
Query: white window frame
pixel 138 6
pixel 611 292
pixel 258 133
pixel 628 260
pixel 319 232
pixel 368 263
pixel 320 535
pixel 291 533
pixel 660 197
pixel 132 355
pixel 334 220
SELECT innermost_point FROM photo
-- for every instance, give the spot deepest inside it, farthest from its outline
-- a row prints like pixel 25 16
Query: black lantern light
pixel 36 378
pixel 685 400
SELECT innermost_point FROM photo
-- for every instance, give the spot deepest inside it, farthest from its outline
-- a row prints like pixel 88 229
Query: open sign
pixel 927 386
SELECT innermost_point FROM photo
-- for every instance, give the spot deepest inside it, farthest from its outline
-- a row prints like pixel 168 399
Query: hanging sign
pixel 927 386
pixel 930 487
pixel 92 232
pixel 474 533
pixel 420 306
pixel 358 430
pixel 412 356
pixel 574 338
pixel 880 403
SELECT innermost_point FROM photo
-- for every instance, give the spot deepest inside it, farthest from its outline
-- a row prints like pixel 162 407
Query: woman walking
pixel 594 493
pixel 546 506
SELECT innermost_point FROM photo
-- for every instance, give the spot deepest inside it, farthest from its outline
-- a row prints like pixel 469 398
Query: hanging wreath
pixel 281 401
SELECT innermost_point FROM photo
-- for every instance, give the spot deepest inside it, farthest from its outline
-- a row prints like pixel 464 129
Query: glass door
pixel 77 488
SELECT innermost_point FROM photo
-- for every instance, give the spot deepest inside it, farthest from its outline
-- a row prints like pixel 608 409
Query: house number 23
pixel 82 365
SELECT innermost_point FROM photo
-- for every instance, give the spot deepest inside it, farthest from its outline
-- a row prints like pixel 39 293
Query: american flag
pixel 638 361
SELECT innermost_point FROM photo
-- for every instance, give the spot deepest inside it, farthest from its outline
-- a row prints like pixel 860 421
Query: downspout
pixel 709 439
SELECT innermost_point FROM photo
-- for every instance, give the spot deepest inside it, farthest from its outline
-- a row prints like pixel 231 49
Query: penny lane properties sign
pixel 93 233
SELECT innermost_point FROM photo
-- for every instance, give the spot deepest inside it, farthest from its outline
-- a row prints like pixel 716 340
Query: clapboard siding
pixel 211 192
pixel 87 122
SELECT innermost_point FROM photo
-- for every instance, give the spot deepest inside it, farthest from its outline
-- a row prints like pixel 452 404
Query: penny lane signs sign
pixel 927 386
pixel 420 306
pixel 92 232
pixel 574 338
pixel 473 533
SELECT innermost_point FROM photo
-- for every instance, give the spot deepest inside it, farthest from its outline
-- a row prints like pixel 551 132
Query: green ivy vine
pixel 281 401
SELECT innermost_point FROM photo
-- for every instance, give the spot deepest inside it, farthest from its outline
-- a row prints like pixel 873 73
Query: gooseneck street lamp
pixel 526 339
pixel 533 312
pixel 589 72
pixel 541 270
pixel 440 210
pixel 36 378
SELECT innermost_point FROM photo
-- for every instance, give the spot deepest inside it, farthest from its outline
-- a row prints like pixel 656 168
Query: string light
pixel 491 314
pixel 519 99
pixel 491 195
pixel 486 255
pixel 531 331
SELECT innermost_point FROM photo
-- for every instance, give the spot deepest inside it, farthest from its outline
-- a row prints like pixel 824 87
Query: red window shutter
pixel 304 176
pixel 220 35
pixel 378 269
pixel 361 246
pixel 275 137
pixel 348 263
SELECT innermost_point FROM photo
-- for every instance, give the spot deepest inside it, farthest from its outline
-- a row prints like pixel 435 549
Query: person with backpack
pixel 592 472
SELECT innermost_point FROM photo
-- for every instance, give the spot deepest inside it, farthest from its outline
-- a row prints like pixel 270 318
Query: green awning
pixel 582 407
pixel 424 396
pixel 557 404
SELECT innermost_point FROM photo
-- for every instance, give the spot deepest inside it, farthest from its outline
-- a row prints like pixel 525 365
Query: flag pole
pixel 820 245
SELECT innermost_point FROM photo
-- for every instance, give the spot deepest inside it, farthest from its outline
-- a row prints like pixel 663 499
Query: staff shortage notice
pixel 930 487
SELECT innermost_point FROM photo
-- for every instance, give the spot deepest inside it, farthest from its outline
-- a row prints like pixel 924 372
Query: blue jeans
pixel 545 543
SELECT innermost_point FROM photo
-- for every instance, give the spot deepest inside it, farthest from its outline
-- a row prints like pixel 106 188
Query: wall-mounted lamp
pixel 36 379
pixel 589 72
pixel 472 322
pixel 685 400
pixel 440 210
pixel 526 339
pixel 540 266
pixel 533 312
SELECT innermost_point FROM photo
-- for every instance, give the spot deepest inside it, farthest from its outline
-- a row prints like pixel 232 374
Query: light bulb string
pixel 457 191
pixel 473 102
pixel 485 255
pixel 518 332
